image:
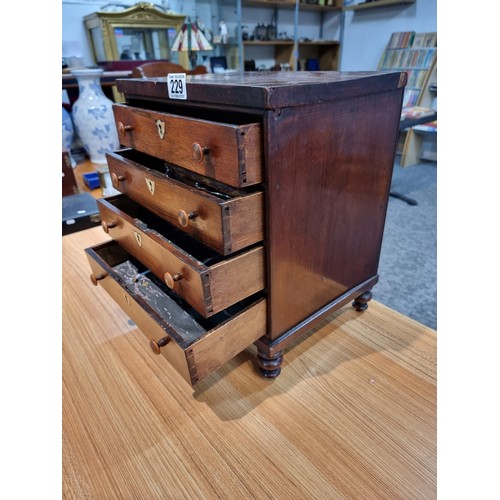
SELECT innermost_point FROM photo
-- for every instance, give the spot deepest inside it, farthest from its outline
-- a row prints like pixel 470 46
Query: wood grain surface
pixel 353 414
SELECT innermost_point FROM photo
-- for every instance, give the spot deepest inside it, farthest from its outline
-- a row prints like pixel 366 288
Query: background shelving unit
pixel 415 147
pixel 415 53
pixel 292 50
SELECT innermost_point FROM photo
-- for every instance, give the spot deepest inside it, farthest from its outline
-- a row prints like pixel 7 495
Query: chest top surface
pixel 266 90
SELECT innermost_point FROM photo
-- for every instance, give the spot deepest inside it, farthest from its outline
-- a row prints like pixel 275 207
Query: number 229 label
pixel 176 83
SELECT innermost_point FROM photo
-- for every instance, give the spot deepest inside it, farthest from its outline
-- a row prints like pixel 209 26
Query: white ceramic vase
pixel 68 133
pixel 93 116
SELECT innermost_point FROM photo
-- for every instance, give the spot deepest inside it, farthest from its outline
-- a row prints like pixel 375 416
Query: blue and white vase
pixel 68 133
pixel 93 116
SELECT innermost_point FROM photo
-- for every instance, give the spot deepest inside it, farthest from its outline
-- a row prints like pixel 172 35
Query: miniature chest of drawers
pixel 249 210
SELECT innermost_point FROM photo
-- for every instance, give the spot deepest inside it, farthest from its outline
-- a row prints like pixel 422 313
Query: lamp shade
pixel 190 38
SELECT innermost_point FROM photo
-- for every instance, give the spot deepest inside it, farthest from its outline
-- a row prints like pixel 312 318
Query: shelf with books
pixel 416 62
pixel 416 54
pixel 420 140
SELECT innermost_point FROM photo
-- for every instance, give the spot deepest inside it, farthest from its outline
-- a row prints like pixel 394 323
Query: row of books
pixel 416 77
pixel 424 40
pixel 410 97
pixel 407 58
pixel 401 40
pixel 415 112
pixel 427 127
pixel 410 39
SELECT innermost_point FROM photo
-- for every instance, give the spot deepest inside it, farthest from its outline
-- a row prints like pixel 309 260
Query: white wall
pixel 366 32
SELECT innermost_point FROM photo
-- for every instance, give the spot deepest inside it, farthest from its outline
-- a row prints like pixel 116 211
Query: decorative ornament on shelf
pixel 190 38
pixel 223 31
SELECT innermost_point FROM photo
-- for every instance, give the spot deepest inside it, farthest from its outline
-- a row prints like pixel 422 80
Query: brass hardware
pixel 184 217
pixel 116 179
pixel 161 128
pixel 156 346
pixel 151 185
pixel 97 278
pixel 138 238
pixel 170 280
pixel 199 152
pixel 123 129
pixel 107 226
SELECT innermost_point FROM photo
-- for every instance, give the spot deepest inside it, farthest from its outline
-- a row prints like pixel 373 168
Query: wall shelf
pixel 378 3
pixel 262 43
pixel 287 4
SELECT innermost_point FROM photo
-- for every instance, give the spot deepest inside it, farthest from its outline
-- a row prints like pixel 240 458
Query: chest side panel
pixel 328 174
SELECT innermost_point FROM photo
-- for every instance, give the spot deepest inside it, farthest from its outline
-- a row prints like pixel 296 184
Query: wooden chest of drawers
pixel 249 210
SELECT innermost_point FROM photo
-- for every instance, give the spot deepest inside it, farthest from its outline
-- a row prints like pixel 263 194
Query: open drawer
pixel 208 281
pixel 225 222
pixel 194 345
pixel 230 153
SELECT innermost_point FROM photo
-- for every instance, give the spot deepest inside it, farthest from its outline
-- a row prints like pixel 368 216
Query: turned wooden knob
pixel 156 346
pixel 123 129
pixel 170 279
pixel 97 278
pixel 107 226
pixel 199 152
pixel 184 217
pixel 116 179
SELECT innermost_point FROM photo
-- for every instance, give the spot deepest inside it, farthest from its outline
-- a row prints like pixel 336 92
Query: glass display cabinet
pixel 142 32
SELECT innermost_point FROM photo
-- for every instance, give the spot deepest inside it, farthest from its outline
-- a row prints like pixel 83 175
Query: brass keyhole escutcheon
pixel 151 185
pixel 161 128
pixel 138 238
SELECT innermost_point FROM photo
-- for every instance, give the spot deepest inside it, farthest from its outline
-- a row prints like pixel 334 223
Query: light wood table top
pixel 352 415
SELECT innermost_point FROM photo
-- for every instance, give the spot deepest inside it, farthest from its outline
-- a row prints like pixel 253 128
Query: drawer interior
pixel 147 220
pixel 228 116
pixel 204 184
pixel 184 324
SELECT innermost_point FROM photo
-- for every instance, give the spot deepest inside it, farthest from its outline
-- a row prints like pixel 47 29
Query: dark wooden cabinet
pixel 249 211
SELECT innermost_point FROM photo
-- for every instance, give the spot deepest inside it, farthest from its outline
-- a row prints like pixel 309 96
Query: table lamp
pixel 191 39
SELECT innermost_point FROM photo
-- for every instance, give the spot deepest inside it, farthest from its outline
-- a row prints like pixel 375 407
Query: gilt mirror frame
pixel 142 15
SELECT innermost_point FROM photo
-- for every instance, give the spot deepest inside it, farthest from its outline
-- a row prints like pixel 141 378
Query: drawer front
pixel 194 351
pixel 224 225
pixel 229 153
pixel 209 289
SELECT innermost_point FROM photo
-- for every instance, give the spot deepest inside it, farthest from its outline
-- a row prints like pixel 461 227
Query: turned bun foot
pixel 270 366
pixel 361 302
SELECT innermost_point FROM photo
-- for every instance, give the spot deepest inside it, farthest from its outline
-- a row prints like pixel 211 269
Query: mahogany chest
pixel 250 209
